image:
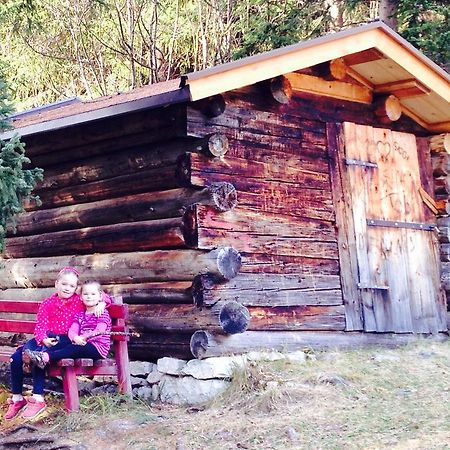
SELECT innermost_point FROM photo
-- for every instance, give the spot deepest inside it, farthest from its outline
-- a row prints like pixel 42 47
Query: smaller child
pixel 89 334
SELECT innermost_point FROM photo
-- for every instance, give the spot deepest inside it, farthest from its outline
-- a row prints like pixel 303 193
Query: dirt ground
pixel 366 399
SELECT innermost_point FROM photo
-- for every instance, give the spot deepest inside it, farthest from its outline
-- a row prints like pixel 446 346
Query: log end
pixel 199 343
pixel 281 89
pixel 224 196
pixel 228 262
pixel 234 318
pixel 218 144
pixel 388 108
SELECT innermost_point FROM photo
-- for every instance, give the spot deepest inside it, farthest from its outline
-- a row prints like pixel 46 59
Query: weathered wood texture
pixel 150 125
pixel 399 291
pixel 147 293
pixel 148 318
pixel 127 267
pixel 205 344
pixel 283 223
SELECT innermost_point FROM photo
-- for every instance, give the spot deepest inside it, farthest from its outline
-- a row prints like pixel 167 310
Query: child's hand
pixel 79 340
pixel 100 308
pixel 49 342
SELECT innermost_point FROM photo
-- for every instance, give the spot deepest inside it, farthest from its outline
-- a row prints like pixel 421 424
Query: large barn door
pixel 397 259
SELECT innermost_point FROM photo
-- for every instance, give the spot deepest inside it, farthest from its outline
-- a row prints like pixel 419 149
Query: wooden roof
pixel 377 57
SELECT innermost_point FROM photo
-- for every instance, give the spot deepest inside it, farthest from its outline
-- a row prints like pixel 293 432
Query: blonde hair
pixel 93 283
pixel 66 270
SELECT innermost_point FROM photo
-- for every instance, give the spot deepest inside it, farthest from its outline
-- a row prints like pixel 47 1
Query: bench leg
pixel 123 368
pixel 70 385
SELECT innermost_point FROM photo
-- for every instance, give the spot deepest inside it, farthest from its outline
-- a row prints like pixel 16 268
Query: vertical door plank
pixel 345 229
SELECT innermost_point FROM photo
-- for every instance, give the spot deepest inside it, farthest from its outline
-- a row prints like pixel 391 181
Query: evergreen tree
pixel 16 182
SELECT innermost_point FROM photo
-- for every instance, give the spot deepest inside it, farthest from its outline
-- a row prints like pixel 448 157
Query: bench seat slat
pixel 17 326
pixel 11 306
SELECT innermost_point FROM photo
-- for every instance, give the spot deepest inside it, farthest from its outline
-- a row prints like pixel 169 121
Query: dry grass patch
pixel 367 399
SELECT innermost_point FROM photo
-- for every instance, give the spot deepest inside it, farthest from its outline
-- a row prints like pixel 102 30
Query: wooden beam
pixel 371 54
pixel 403 88
pixel 336 89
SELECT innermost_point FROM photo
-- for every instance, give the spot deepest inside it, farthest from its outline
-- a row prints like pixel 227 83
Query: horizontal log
pixel 205 344
pixel 282 264
pixel 128 161
pixel 211 106
pixel 152 346
pixel 249 124
pixel 131 208
pixel 285 318
pixel 228 317
pixel 257 232
pixel 442 186
pixel 308 156
pixel 440 143
pixel 123 268
pixel 198 170
pixel 107 166
pixel 137 236
pixel 255 243
pixel 269 290
pixel 443 206
pixel 150 318
pixel 311 108
pixel 241 220
pixel 146 293
pixel 441 165
pixel 444 234
pixel 143 181
pixel 444 251
pixel 281 198
pixel 159 124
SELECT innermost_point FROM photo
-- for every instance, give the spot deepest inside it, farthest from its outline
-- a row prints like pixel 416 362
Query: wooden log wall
pixel 439 147
pixel 283 224
pixel 113 207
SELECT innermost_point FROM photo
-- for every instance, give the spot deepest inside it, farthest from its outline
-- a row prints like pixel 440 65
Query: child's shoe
pixel 26 361
pixel 39 359
pixel 33 409
pixel 14 408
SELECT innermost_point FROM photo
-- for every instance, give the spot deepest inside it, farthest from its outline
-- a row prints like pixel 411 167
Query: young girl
pixel 89 334
pixel 54 318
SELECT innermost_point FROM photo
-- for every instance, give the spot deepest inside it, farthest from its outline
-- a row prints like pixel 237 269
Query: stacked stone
pixel 193 382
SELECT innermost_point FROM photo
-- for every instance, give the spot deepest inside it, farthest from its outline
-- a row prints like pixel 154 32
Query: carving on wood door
pixel 394 249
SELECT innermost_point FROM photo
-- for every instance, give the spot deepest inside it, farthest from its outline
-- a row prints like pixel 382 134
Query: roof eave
pixel 168 98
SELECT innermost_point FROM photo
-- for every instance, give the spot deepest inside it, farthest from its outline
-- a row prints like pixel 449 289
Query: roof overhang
pixel 430 109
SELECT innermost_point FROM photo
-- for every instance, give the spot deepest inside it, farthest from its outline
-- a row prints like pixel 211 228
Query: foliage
pixel 16 182
pixel 426 25
pixel 90 48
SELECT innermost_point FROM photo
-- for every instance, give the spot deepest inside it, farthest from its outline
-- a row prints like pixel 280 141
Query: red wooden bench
pixel 68 369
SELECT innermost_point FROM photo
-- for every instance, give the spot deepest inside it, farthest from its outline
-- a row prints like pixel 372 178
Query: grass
pixel 366 399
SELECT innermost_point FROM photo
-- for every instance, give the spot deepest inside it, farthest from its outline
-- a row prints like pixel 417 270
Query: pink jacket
pixel 57 315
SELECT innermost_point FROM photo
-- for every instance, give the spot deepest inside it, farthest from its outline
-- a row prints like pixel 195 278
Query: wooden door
pixel 395 250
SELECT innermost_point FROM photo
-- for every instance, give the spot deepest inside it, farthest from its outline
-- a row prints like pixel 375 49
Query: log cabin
pixel 290 199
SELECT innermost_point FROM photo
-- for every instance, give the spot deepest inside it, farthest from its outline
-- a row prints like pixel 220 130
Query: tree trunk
pixel 388 12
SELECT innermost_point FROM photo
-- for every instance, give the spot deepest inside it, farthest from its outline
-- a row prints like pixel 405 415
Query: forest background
pixel 56 49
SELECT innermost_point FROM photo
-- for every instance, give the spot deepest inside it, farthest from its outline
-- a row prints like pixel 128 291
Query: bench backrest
pixel 118 313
